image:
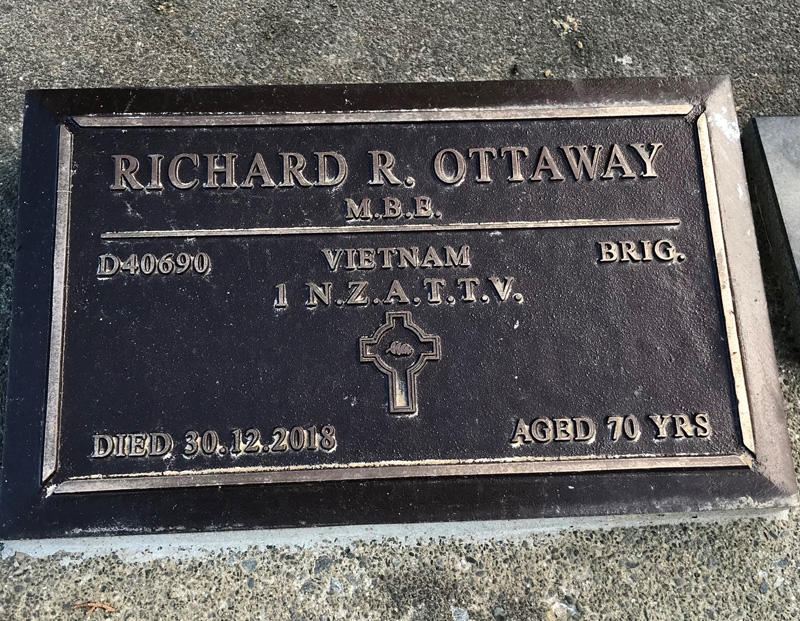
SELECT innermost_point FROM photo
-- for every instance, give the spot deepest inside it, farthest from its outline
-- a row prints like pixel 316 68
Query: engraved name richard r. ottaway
pixel 515 164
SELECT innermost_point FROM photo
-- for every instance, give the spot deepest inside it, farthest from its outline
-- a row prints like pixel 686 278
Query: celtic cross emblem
pixel 400 350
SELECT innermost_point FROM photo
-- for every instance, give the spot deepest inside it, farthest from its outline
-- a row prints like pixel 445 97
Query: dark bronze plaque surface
pixel 281 304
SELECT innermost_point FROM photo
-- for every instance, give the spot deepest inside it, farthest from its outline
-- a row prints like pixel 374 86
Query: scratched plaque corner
pixel 274 306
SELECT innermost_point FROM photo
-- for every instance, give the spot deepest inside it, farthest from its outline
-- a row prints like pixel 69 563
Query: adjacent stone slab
pixel 773 162
pixel 285 306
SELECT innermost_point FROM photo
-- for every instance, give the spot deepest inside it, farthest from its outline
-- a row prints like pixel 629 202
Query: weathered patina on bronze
pixel 277 305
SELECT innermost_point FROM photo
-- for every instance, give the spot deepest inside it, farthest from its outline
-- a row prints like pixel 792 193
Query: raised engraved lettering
pixel 155 172
pixel 423 207
pixel 396 294
pixel 333 257
pixel 452 171
pixel 125 169
pixel 522 433
pixel 258 170
pixel 318 294
pixel 648 158
pixel 358 295
pixel 515 154
pixel 581 162
pixel 382 164
pixel 392 207
pixel 502 287
pixel 435 286
pixel 173 172
pixel 546 162
pixel 324 177
pixel 431 258
pixel 628 251
pixel 293 166
pixel 543 430
pixel 483 154
pixel 617 161
pixel 360 211
pixel 469 286
pixel 458 258
pixel 661 424
pixel 215 168
pixel 126 445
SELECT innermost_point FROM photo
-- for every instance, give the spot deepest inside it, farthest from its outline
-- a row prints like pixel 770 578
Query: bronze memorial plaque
pixel 284 306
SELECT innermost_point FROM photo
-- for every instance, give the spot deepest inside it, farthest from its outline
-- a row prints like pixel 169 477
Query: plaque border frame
pixel 394 469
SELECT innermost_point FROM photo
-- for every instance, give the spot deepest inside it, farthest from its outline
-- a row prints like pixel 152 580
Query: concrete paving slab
pixel 748 569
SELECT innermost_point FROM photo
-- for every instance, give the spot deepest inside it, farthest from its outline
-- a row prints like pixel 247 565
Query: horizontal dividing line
pixel 384 116
pixel 386 228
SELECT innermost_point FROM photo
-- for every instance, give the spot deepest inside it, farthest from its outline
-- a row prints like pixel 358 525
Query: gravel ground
pixel 743 570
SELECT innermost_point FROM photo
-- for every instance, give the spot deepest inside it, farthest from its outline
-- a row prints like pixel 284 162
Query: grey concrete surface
pixel 743 570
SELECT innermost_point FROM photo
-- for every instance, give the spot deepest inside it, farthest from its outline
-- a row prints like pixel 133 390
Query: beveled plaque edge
pixel 27 510
pixel 774 459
